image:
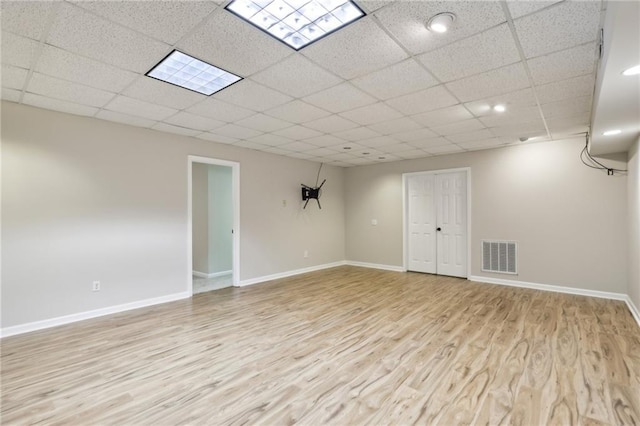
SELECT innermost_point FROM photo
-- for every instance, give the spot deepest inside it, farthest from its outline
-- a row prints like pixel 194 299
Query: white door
pixel 451 233
pixel 437 223
pixel 422 224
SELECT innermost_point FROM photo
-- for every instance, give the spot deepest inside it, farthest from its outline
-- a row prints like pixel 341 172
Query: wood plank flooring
pixel 341 346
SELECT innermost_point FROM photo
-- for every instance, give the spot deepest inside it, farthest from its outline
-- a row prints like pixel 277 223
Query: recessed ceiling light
pixel 193 74
pixel 499 108
pixel 297 22
pixel 632 71
pixel 441 22
pixel 346 147
pixel 612 132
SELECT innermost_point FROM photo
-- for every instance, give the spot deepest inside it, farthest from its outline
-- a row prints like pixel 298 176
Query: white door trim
pixel 405 212
pixel 235 196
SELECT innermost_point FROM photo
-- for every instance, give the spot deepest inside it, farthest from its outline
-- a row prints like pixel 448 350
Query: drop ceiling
pixel 381 89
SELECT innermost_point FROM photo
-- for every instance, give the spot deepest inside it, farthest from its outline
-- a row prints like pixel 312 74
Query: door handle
pixel 438 229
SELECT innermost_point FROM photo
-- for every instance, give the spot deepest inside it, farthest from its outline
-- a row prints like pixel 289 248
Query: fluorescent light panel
pixel 193 74
pixel 297 22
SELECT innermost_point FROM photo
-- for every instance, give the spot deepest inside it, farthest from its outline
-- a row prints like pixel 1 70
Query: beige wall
pixel 569 220
pixel 200 214
pixel 634 223
pixel 76 208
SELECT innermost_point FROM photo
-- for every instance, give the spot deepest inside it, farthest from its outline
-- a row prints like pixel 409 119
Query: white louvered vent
pixel 500 256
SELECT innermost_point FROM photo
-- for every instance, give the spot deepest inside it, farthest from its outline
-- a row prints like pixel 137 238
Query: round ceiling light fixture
pixel 632 71
pixel 441 22
pixel 499 108
pixel 612 132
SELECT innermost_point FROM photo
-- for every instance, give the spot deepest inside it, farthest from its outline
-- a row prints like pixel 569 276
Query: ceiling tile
pixel 412 154
pixel 192 121
pixel 301 155
pixel 423 101
pixel 533 128
pixel 14 12
pixel 339 156
pixel 277 151
pixel 397 148
pixel 298 146
pixel 520 8
pixel 124 118
pixel 340 98
pixel 297 112
pixel 406 20
pixel 573 62
pixel 483 144
pixel 140 108
pixel 443 116
pixel 164 20
pixel 218 110
pixel 371 114
pixel 230 43
pixel 269 139
pixel 357 134
pixel 66 65
pixel 512 101
pixel 333 123
pixel 297 132
pixel 263 123
pixel 559 27
pixel 178 130
pixel 444 149
pixel 158 92
pixel 325 140
pixel 568 126
pixel 397 80
pixel 13 77
pixel 319 152
pixel 58 105
pixel 470 136
pixel 296 76
pixel 234 131
pixel 399 125
pixel 348 147
pixel 491 83
pixel 250 145
pixel 10 95
pixel 511 116
pixel 379 142
pixel 566 89
pixel 356 50
pixel 459 127
pixel 16 50
pixel 251 95
pixel 414 135
pixel 430 143
pixel 217 138
pixel 373 5
pixel 482 52
pixel 60 89
pixel 81 32
pixel 567 107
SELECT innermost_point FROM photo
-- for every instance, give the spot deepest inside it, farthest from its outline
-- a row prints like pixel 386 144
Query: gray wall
pixel 569 220
pixel 200 214
pixel 220 219
pixel 85 199
pixel 634 223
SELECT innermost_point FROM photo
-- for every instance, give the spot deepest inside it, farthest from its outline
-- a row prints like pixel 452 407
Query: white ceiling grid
pixel 381 89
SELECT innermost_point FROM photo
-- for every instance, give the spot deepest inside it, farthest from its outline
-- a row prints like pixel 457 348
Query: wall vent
pixel 500 256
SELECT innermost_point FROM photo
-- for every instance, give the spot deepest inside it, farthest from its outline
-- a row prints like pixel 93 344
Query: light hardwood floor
pixel 341 346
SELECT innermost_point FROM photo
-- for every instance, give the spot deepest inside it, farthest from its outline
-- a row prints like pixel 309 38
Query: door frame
pixel 235 202
pixel 405 212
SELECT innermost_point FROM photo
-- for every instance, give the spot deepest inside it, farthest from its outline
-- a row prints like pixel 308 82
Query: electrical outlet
pixel 306 254
pixel 95 286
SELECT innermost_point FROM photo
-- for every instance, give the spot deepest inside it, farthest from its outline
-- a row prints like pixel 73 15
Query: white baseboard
pixel 635 312
pixel 213 275
pixel 375 266
pixel 264 278
pixel 67 319
pixel 547 287
pixel 560 289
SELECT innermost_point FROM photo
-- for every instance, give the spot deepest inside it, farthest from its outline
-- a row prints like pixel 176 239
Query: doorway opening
pixel 437 222
pixel 213 252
